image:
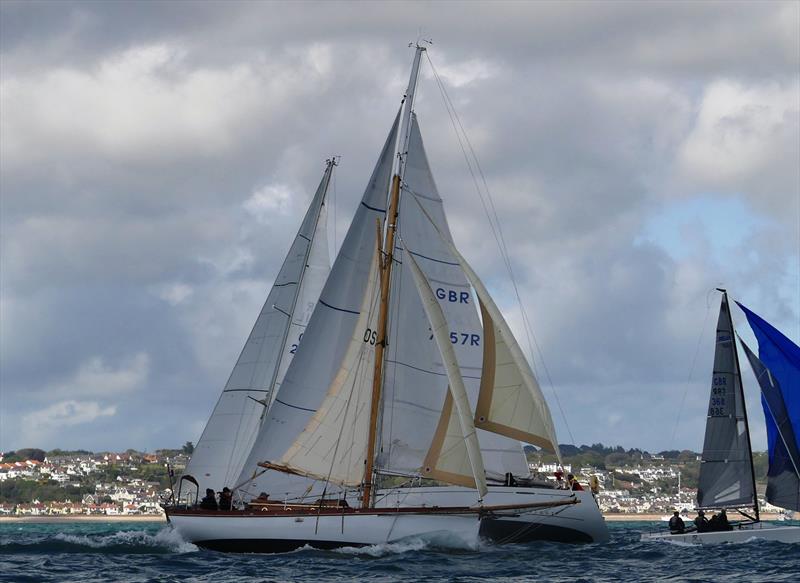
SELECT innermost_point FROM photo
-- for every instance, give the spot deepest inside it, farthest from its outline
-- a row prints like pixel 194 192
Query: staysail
pixel 457 405
pixel 326 340
pixel 726 471
pixel 232 428
pixel 778 373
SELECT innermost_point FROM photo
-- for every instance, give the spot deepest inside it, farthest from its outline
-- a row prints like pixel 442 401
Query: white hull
pixel 253 533
pixel 748 532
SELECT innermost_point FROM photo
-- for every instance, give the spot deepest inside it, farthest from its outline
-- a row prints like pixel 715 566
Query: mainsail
pixel 778 373
pixel 231 430
pixel 326 340
pixel 415 378
pixel 726 471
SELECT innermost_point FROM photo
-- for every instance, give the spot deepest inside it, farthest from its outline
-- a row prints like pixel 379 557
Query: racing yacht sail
pixel 229 434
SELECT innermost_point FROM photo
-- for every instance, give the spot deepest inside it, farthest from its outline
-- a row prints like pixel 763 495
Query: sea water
pixel 88 552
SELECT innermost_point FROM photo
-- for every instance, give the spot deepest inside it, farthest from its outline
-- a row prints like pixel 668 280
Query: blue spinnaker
pixel 781 401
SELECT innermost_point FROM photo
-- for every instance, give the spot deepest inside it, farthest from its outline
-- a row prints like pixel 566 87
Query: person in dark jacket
pixel 225 499
pixel 676 525
pixel 701 522
pixel 723 523
pixel 209 502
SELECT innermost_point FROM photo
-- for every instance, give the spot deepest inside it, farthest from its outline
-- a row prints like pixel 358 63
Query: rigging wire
pixel 494 223
pixel 691 369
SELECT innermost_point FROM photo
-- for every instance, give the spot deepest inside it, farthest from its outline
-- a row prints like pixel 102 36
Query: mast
pixel 744 406
pixel 326 177
pixel 386 261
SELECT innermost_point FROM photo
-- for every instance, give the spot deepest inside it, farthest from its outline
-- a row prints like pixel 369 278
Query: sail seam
pixel 327 305
pixel 295 406
pixel 441 374
pixel 373 208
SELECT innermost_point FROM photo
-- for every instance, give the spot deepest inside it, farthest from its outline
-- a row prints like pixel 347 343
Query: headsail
pixel 779 377
pixel 510 401
pixel 327 337
pixel 783 476
pixel 456 402
pixel 726 475
pixel 231 430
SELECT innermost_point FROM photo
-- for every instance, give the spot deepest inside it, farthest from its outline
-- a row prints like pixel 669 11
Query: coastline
pixel 78 518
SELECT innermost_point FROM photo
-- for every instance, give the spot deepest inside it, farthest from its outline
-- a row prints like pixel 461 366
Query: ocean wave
pixel 165 540
pixel 444 541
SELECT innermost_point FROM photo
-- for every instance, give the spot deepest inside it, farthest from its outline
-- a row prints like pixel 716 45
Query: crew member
pixel 594 485
pixel 209 502
pixel 225 499
pixel 701 522
pixel 676 525
pixel 723 523
pixel 573 484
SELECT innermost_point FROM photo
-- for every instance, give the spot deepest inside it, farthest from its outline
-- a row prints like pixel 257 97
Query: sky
pixel 157 158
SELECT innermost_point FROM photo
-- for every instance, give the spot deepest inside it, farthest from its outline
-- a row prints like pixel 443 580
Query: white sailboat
pixel 401 412
pixel 727 476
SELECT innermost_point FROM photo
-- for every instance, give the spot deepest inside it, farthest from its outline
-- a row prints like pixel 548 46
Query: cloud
pixel 269 203
pixel 155 163
pixel 96 378
pixel 67 413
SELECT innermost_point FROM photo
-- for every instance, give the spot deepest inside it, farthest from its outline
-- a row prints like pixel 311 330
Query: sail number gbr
pixel 719 392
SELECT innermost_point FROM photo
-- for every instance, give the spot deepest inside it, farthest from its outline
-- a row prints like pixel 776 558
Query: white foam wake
pixel 166 538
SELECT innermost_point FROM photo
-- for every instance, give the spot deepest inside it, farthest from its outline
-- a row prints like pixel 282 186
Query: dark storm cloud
pixel 157 157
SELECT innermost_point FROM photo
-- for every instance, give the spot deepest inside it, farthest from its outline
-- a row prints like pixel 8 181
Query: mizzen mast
pixel 385 265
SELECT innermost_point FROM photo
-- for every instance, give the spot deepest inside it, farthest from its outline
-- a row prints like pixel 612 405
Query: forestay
pixel 415 379
pixel 326 340
pixel 726 478
pixel 446 466
pixel 229 434
pixel 781 357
